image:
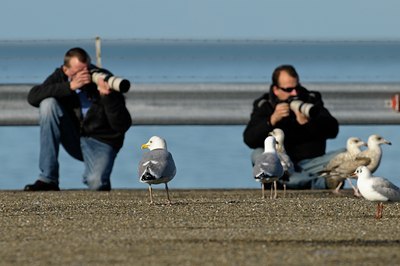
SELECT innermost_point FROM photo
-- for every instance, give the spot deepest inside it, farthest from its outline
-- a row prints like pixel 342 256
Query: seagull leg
pixel 272 190
pixel 151 194
pixel 276 190
pixel 284 190
pixel 263 190
pixel 379 210
pixel 336 190
pixel 356 192
pixel 166 188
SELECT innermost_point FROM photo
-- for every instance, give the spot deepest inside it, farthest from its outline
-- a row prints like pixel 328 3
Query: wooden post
pixel 98 51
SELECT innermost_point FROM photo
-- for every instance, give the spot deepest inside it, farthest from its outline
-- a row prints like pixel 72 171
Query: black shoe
pixel 42 186
pixel 104 188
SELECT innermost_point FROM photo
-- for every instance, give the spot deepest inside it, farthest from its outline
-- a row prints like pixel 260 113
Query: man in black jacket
pixel 88 119
pixel 305 131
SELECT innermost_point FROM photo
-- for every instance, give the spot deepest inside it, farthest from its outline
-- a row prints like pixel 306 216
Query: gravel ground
pixel 201 227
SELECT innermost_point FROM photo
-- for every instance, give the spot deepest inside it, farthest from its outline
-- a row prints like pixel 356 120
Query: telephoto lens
pixel 307 109
pixel 115 83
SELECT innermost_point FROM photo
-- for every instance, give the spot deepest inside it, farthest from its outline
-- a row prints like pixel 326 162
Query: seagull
pixel 377 189
pixel 353 145
pixel 267 167
pixel 156 166
pixel 371 158
pixel 287 164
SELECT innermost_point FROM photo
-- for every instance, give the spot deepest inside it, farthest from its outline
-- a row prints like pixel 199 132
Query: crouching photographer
pixel 86 115
pixel 300 113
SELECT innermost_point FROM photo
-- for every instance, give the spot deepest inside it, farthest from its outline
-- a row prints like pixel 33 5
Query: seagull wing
pixel 268 164
pixel 386 188
pixel 287 163
pixel 159 163
pixel 349 166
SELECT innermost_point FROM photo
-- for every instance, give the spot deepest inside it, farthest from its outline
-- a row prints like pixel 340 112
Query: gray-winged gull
pixel 377 189
pixel 156 166
pixel 267 167
pixel 287 164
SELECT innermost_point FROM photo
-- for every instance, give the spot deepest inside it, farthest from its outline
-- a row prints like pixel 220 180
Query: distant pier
pixel 221 103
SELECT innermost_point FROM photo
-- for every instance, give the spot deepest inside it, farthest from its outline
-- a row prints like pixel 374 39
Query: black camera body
pixel 307 109
pixel 115 83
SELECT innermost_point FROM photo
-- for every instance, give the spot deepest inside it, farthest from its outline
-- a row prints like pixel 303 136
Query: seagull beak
pixel 145 146
pixel 354 175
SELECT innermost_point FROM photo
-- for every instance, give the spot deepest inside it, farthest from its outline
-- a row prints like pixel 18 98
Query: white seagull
pixel 267 167
pixel 156 166
pixel 377 189
pixel 287 164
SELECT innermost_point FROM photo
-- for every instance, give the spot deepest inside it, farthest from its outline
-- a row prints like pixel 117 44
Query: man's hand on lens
pixel 301 118
pixel 103 87
pixel 281 111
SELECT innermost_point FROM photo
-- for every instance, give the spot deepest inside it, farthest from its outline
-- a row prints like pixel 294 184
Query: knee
pixel 49 107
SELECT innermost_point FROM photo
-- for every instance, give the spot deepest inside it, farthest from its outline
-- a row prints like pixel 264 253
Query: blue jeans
pixel 308 177
pixel 56 128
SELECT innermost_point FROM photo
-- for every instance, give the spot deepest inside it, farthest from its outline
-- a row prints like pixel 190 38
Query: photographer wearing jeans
pixel 89 120
pixel 301 114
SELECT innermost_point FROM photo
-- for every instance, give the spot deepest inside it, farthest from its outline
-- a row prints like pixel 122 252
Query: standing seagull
pixel 267 167
pixel 353 145
pixel 377 189
pixel 287 164
pixel 156 166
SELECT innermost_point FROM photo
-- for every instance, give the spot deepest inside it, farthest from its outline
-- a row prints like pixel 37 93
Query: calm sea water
pixel 144 61
pixel 206 156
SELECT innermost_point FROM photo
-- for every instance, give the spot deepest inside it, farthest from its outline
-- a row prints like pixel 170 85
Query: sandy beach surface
pixel 201 227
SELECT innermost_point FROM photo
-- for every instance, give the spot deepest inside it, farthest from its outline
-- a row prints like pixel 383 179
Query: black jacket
pixel 107 119
pixel 301 141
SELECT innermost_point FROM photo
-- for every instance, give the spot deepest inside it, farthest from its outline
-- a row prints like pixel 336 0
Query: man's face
pixel 75 66
pixel 286 86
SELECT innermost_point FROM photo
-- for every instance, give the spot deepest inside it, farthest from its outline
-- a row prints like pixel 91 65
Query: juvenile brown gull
pixel 287 164
pixel 353 145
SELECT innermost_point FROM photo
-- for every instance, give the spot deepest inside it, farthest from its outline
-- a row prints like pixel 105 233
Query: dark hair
pixel 77 52
pixel 288 69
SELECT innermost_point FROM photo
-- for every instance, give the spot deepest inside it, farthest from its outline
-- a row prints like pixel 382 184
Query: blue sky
pixel 200 19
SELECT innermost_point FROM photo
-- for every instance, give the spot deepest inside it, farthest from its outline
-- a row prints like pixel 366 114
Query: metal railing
pixel 220 104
